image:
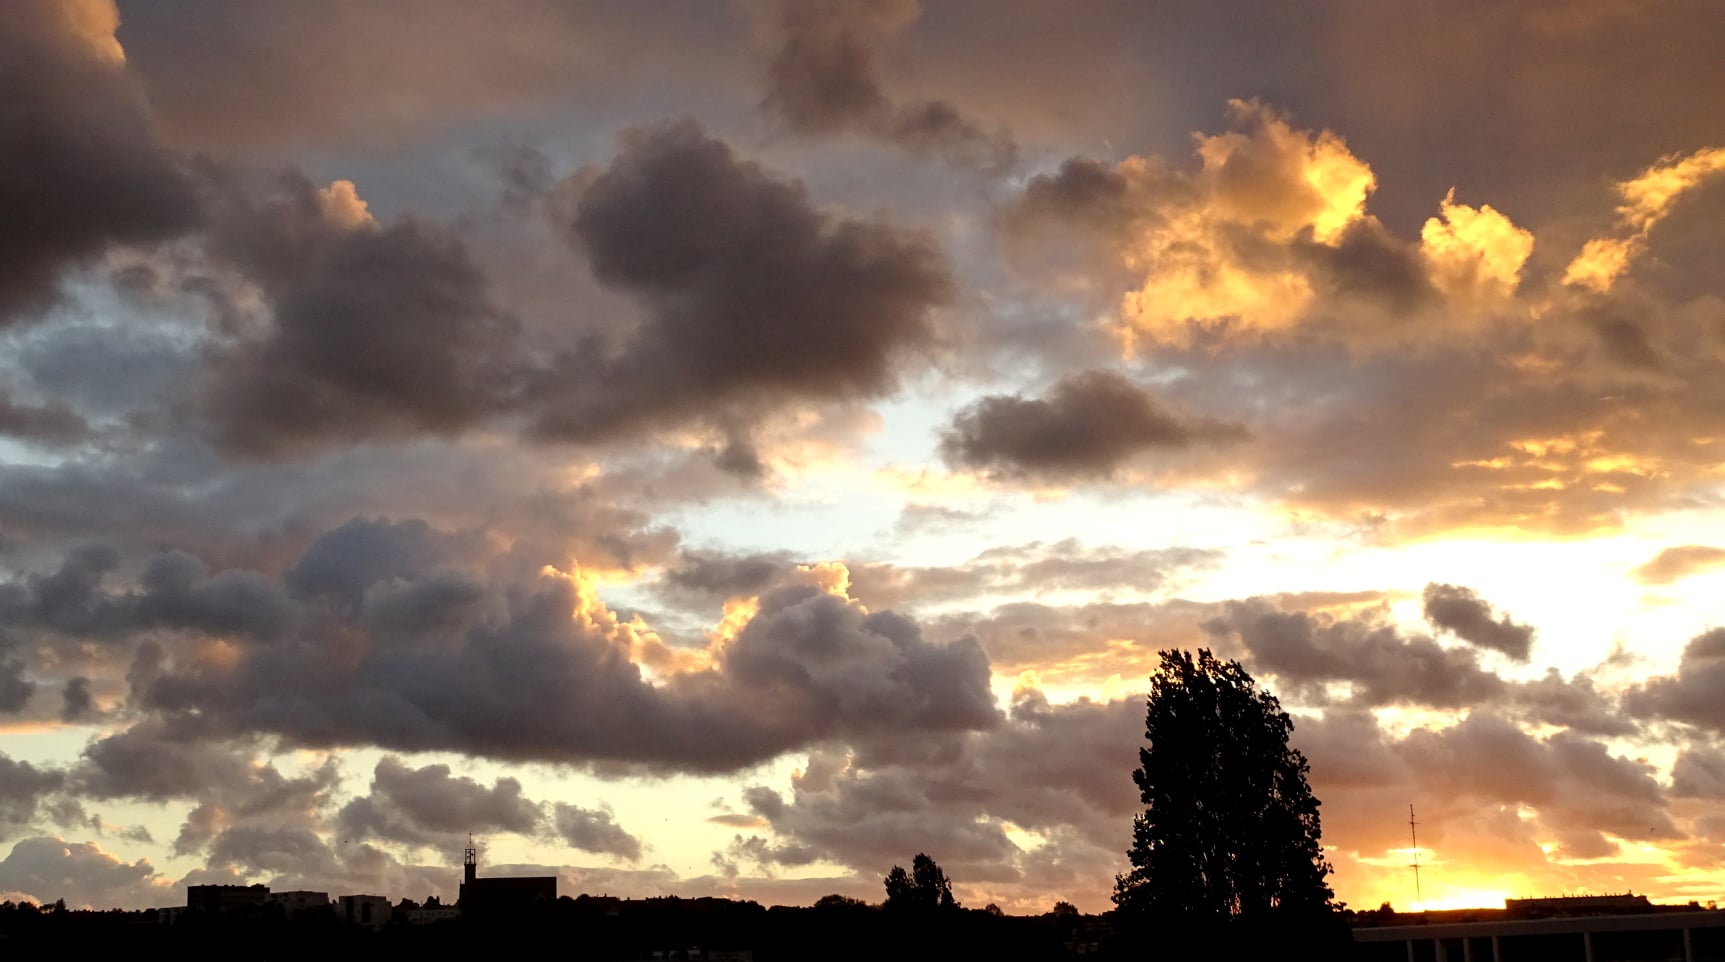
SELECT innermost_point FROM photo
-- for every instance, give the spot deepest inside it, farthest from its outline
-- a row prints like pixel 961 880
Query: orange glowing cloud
pixel 1266 179
pixel 94 23
pixel 1474 252
pixel 1647 200
pixel 341 205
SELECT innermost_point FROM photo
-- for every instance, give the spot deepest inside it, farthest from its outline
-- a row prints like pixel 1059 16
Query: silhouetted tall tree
pixel 1229 834
pixel 925 886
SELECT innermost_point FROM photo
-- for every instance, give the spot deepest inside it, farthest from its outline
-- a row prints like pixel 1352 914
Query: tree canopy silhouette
pixel 925 886
pixel 1229 836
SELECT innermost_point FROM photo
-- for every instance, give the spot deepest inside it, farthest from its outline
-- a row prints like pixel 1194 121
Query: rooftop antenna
pixel 1413 832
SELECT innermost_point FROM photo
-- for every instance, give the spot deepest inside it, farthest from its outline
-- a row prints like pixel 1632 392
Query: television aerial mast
pixel 1414 834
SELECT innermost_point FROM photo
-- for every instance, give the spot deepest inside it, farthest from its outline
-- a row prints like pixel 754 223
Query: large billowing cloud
pixel 375 330
pixel 81 168
pixel 1691 694
pixel 82 872
pixel 753 295
pixel 405 645
pixel 644 362
pixel 431 806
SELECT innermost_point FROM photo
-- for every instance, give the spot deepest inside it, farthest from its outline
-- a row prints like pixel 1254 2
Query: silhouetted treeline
pixel 579 929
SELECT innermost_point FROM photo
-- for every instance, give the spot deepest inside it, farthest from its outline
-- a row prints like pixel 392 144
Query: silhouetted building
pixel 1571 905
pixel 226 898
pixel 299 903
pixel 368 910
pixel 500 896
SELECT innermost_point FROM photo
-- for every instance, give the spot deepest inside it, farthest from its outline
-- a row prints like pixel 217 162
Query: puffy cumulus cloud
pixel 822 78
pixel 15 689
pixel 1286 180
pixel 403 653
pixel 1674 564
pixel 1690 695
pixel 153 761
pixel 714 576
pixel 1306 653
pixel 1360 660
pixel 174 590
pixel 1264 185
pixel 429 806
pixel 754 297
pixel 373 330
pixel 1089 425
pixel 82 167
pixel 1647 200
pixel 79 872
pixel 1031 811
pixel 1475 253
pixel 23 787
pixel 1497 801
pixel 1268 237
pixel 594 830
pixel 1461 612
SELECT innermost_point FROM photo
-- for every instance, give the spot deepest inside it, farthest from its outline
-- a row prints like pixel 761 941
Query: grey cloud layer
pixel 383 634
pixel 822 78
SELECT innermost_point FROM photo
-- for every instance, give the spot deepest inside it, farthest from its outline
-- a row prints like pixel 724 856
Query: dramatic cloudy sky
pixel 731 447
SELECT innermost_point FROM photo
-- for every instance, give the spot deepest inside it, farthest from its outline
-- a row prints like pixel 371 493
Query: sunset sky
pixel 727 448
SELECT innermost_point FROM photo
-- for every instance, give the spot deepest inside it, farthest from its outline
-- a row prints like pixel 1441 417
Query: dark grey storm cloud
pixel 822 79
pixel 1086 193
pixel 174 590
pixel 1089 425
pixel 1699 772
pixel 593 830
pixel 15 688
pixel 1305 651
pixel 431 806
pixel 45 423
pixel 711 576
pixel 75 700
pixel 1369 266
pixel 753 295
pixel 1691 695
pixel 375 330
pixel 1050 769
pixel 510 669
pixel 155 761
pixel 80 168
pixel 22 787
pixel 1462 613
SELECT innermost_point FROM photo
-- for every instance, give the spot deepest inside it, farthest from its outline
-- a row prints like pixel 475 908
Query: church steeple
pixel 471 860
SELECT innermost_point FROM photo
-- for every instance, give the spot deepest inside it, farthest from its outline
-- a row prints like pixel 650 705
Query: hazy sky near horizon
pixel 730 448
